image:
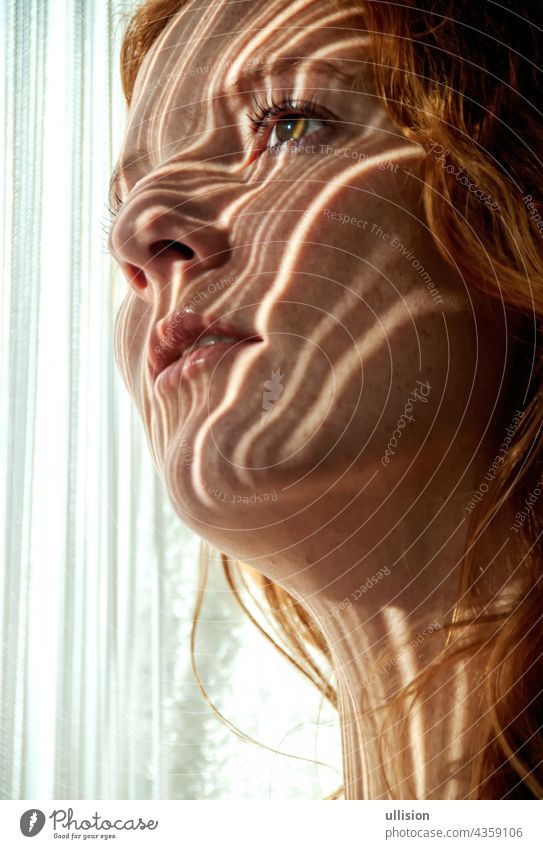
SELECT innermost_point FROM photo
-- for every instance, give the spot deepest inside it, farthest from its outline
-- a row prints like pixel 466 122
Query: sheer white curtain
pixel 98 575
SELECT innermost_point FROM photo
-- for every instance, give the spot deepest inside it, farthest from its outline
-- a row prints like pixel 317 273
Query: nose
pixel 160 241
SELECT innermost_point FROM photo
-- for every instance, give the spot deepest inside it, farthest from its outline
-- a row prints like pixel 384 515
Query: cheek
pixel 130 339
pixel 352 330
pixel 327 239
pixel 353 272
pixel 362 313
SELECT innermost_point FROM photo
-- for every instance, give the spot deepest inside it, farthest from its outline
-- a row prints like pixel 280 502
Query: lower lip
pixel 192 363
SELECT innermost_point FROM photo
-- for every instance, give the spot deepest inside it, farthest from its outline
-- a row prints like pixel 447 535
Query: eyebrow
pixel 358 81
pixel 289 63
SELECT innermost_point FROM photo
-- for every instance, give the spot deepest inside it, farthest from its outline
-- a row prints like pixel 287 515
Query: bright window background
pixel 99 576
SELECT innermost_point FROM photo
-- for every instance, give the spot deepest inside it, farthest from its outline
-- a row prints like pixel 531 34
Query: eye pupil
pixel 290 129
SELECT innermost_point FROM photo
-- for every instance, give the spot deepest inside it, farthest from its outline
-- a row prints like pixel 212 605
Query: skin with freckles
pixel 349 438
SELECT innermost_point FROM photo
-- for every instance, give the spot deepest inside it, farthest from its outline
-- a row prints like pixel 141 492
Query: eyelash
pixel 259 119
pixel 114 206
pixel 286 108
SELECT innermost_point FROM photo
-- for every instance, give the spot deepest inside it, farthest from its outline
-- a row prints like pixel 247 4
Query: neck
pixel 376 558
pixel 387 753
pixel 382 615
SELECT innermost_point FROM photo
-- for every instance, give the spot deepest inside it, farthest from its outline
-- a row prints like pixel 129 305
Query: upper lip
pixel 172 335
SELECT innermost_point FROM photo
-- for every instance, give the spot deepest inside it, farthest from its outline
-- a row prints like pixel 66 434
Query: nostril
pixel 135 275
pixel 163 245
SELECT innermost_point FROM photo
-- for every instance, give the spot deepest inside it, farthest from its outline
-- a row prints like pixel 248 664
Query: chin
pixel 208 488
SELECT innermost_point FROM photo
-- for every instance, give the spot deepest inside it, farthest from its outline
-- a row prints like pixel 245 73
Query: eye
pixel 114 205
pixel 295 121
pixel 291 129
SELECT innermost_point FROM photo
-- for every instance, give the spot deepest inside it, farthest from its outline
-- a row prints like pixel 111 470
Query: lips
pixel 172 336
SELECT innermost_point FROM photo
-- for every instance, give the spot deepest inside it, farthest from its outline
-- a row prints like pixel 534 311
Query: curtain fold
pixel 97 696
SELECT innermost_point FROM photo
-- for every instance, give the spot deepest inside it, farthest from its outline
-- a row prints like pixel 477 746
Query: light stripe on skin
pixel 344 316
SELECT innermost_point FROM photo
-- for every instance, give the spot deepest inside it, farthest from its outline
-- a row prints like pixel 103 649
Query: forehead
pixel 211 47
pixel 212 30
pixel 216 41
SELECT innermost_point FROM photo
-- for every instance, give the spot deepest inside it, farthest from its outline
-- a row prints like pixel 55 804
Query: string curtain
pixel 99 576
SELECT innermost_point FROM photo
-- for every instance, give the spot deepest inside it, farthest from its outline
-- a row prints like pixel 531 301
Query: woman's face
pixel 307 234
